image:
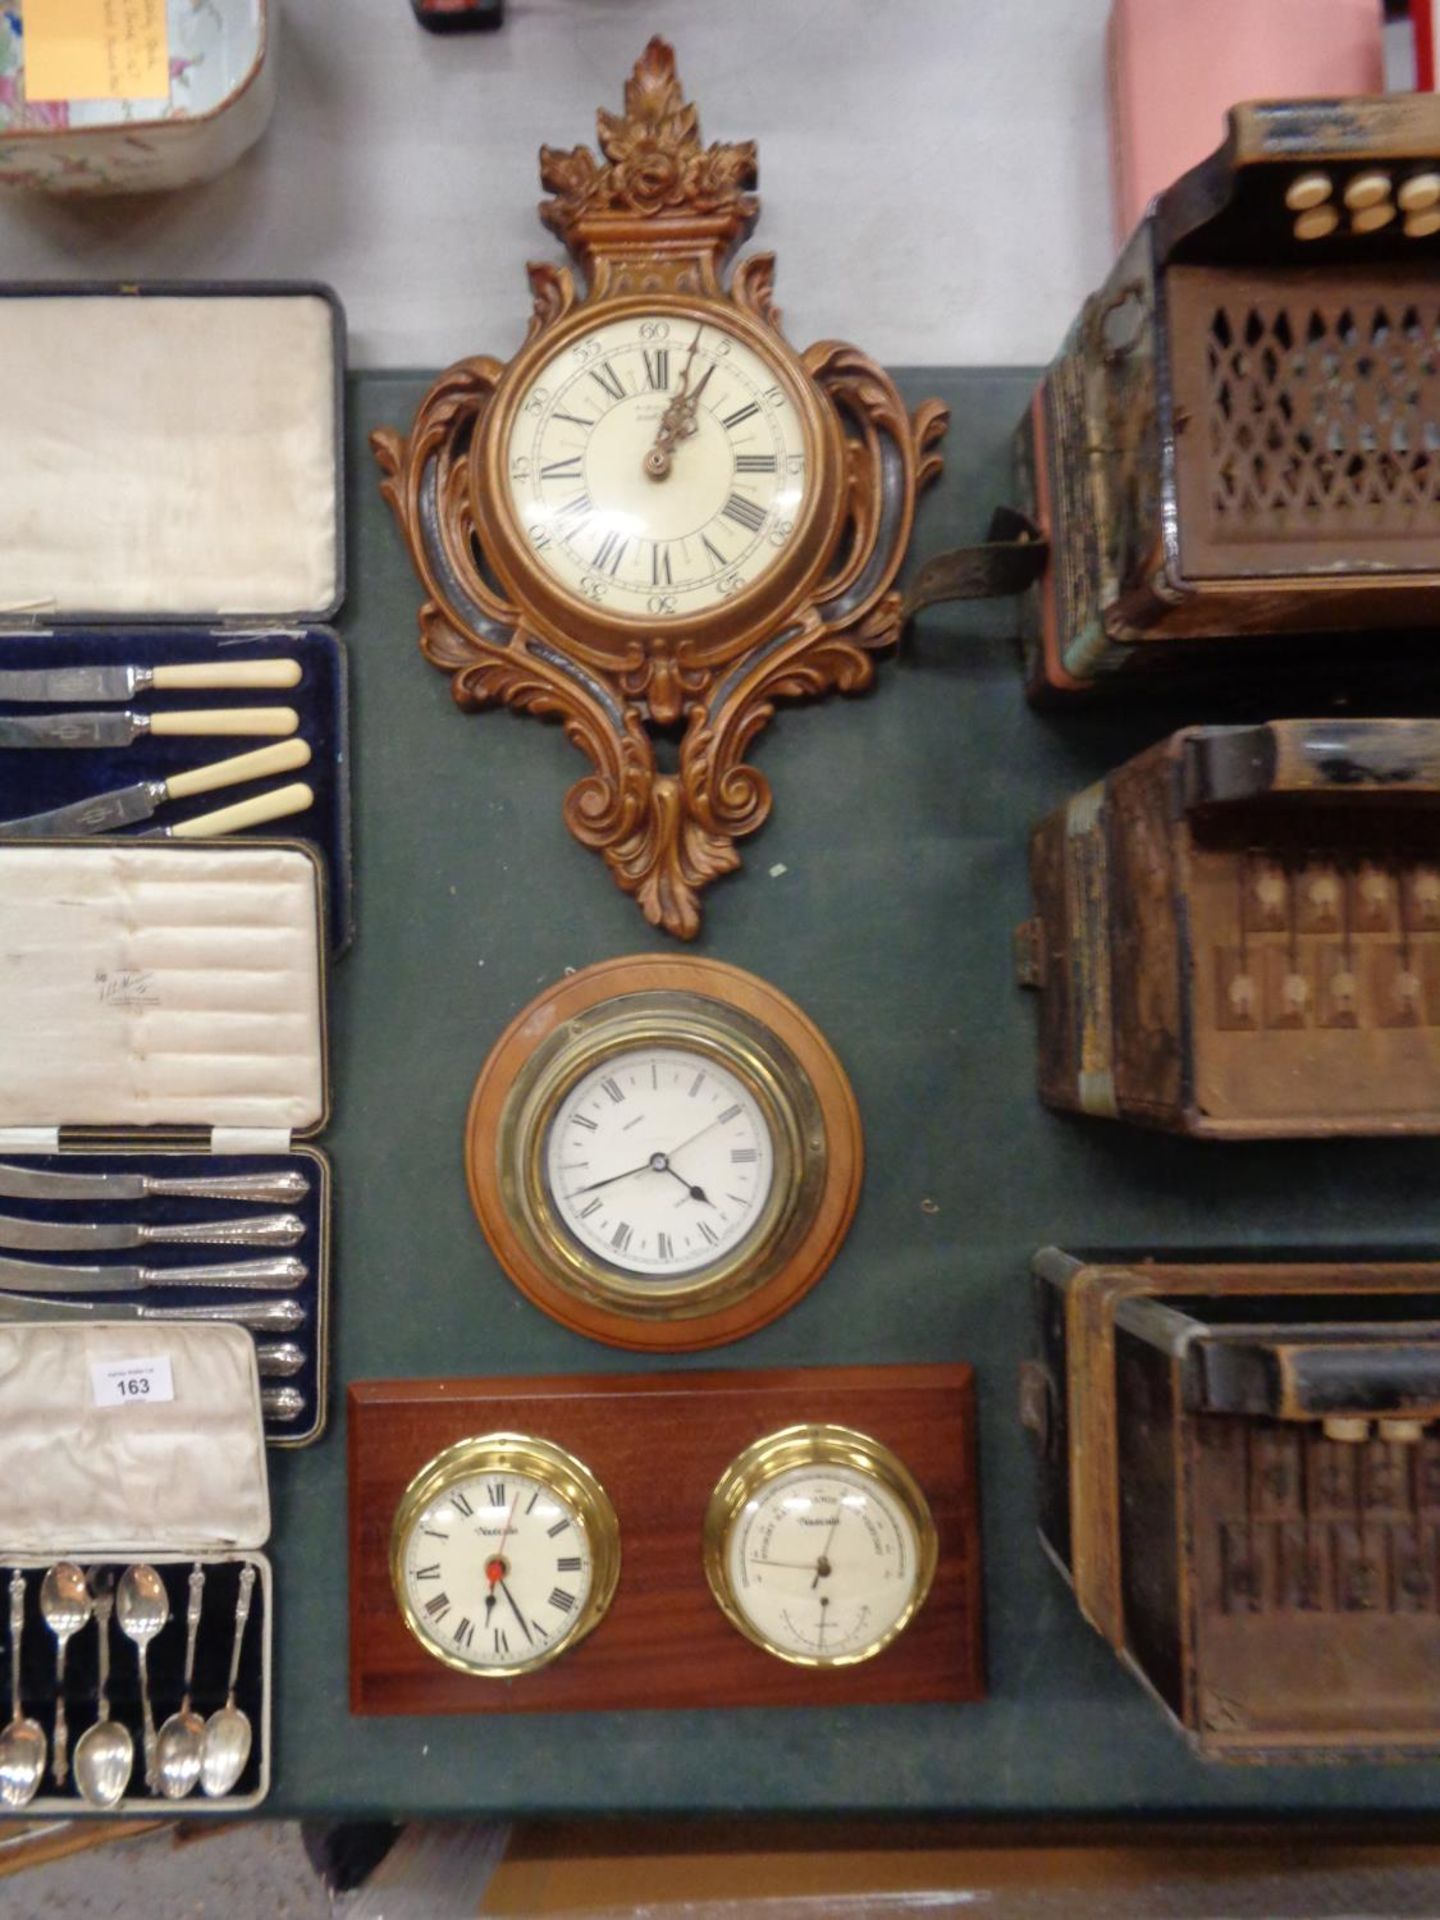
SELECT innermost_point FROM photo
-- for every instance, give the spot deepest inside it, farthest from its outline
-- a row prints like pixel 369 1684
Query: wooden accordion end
pixel 1240 1477
pixel 1237 935
pixel 1240 436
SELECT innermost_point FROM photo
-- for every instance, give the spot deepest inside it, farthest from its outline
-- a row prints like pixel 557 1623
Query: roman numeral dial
pixel 659 1162
pixel 681 535
pixel 506 1551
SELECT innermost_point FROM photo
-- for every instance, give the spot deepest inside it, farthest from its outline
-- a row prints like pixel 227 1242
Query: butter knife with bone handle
pixel 123 806
pixel 61 686
pixel 260 1316
pixel 276 803
pixel 44 1276
pixel 283 1188
pixel 124 727
pixel 102 1236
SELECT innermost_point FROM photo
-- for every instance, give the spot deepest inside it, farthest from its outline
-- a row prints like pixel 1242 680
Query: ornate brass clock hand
pixel 673 421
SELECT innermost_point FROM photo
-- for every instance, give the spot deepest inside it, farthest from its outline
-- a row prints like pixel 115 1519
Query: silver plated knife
pixel 123 806
pixel 282 1188
pixel 261 1316
pixel 122 729
pixel 65 685
pixel 37 1276
pixel 94 1236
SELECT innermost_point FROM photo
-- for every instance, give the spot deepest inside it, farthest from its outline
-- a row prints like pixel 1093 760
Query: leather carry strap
pixel 1012 559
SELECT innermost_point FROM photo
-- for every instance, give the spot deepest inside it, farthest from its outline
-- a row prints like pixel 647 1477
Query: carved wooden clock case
pixel 658 518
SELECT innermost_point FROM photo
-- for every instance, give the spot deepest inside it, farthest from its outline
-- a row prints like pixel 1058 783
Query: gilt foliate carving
pixel 651 222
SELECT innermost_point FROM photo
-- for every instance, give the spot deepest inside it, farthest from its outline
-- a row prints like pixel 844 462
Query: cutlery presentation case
pixel 172 494
pixel 1237 439
pixel 1239 1471
pixel 164 1013
pixel 1237 935
pixel 167 1481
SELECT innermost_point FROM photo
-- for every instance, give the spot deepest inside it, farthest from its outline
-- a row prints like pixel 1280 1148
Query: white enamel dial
pixel 822 1563
pixel 496 1569
pixel 657 466
pixel 660 1161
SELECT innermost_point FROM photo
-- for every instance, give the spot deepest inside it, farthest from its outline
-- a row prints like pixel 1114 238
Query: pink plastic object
pixel 1177 65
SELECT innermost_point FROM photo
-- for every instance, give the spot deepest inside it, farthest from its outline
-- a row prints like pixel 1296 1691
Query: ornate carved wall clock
pixel 663 1152
pixel 658 518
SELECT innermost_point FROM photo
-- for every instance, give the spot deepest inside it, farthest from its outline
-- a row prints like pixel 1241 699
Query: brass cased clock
pixel 658 518
pixel 664 1152
pixel 819 1545
pixel 504 1554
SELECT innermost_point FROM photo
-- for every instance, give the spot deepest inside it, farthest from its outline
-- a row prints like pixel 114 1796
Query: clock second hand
pixel 495 1568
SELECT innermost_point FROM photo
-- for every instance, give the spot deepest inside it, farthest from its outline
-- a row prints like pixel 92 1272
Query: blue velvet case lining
pixel 166 1664
pixel 34 779
pixel 313 1248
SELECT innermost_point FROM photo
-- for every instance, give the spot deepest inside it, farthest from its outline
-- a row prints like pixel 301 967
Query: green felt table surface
pixel 881 895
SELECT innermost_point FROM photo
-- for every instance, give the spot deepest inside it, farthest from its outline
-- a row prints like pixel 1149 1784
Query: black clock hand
pixel 611 1178
pixel 692 1193
pixel 505 1589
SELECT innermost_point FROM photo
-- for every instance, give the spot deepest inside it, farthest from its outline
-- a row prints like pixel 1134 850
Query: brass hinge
pixel 1030 952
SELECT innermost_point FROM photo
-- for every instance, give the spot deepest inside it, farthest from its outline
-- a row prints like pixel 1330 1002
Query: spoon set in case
pixel 131 1681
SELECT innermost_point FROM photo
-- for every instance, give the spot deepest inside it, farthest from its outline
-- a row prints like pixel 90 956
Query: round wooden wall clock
pixel 663 1152
pixel 659 518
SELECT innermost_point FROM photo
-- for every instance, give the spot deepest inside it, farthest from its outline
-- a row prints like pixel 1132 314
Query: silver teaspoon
pixel 182 1738
pixel 65 1606
pixel 227 1731
pixel 22 1744
pixel 104 1753
pixel 143 1607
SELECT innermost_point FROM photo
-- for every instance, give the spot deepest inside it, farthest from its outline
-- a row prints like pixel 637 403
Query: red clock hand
pixel 495 1568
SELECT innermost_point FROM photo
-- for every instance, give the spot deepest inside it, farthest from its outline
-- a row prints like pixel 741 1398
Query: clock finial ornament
pixel 656 172
pixel 659 516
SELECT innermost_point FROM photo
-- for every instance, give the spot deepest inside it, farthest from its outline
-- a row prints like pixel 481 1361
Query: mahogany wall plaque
pixel 659 1444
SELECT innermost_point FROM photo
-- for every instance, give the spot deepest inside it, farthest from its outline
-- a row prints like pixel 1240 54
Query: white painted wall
pixel 933 172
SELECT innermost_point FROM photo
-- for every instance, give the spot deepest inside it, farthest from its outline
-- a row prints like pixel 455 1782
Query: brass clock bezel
pixel 767 600
pixel 822 1444
pixel 711 1010
pixel 569 1479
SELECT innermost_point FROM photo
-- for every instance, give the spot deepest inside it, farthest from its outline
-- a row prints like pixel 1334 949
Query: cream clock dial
pixel 819 1545
pixel 505 1553
pixel 657 466
pixel 660 1160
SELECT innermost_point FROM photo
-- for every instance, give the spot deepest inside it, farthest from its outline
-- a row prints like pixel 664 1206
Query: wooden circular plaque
pixel 664 1153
